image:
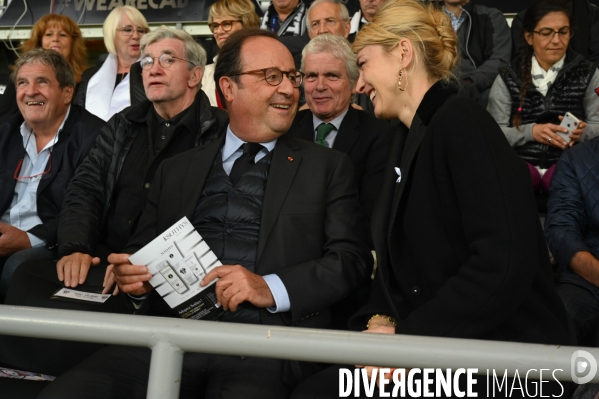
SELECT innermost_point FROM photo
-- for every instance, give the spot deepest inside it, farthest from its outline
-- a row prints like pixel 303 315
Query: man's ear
pixel 67 94
pixel 196 77
pixel 228 87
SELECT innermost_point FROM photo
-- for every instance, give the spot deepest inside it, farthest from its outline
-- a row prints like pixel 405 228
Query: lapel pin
pixel 289 159
pixel 398 174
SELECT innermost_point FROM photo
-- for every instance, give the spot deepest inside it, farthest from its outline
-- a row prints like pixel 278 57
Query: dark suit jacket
pixel 312 231
pixel 459 246
pixel 76 139
pixel 365 139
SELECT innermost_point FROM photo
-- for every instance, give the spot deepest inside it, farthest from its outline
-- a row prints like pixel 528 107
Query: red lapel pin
pixel 290 159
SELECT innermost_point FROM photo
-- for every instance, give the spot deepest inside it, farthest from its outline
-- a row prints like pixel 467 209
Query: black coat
pixel 365 139
pixel 89 196
pixel 312 229
pixel 136 86
pixel 74 142
pixel 459 245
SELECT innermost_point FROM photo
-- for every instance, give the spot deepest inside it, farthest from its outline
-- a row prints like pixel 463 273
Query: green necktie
pixel 322 131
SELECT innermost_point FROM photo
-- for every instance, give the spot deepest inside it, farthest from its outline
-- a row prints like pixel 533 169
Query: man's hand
pixel 587 266
pixel 12 240
pixel 109 281
pixel 73 268
pixel 236 285
pixel 132 279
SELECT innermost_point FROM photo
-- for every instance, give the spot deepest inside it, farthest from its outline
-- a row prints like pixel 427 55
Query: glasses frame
pixel 553 33
pixel 286 73
pixel 229 22
pixel 143 66
pixel 136 28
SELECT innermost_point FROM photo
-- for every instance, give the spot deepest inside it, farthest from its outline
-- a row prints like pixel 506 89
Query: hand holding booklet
pixel 179 259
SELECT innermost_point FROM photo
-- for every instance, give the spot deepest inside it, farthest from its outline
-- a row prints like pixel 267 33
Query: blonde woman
pixel 226 17
pixel 116 84
pixel 459 246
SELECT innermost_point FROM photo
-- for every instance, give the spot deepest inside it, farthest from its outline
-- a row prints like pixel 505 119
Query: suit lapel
pixel 415 135
pixel 285 162
pixel 192 184
pixel 348 131
pixel 306 127
pixel 59 149
pixel 8 183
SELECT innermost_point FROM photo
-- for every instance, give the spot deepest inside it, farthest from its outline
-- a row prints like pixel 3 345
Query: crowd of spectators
pixel 312 141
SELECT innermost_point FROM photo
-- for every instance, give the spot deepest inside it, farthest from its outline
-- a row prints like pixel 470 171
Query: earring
pixel 399 83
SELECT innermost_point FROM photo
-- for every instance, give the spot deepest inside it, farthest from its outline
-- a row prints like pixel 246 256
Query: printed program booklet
pixel 179 259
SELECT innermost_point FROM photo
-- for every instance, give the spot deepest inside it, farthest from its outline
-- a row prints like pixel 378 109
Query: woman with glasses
pixel 60 33
pixel 226 17
pixel 116 83
pixel 531 95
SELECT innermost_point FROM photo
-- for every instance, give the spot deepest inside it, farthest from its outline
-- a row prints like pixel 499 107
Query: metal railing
pixel 170 338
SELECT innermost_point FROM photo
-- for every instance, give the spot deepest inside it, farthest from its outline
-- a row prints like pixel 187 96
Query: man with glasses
pixel 484 43
pixel 40 148
pixel 108 193
pixel 281 214
pixel 327 16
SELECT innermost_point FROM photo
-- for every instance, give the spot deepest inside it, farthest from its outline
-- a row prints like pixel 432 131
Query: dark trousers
pixel 33 284
pixel 583 308
pixel 117 372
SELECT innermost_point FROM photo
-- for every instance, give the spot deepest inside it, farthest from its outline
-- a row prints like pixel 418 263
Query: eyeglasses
pixel 18 169
pixel 165 61
pixel 328 22
pixel 227 25
pixel 274 76
pixel 128 30
pixel 548 33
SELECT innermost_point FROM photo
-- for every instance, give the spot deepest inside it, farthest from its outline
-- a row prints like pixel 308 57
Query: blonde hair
pixel 78 56
pixel 428 29
pixel 113 20
pixel 242 9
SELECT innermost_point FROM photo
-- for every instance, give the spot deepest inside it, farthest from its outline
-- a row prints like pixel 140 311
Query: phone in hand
pixel 570 122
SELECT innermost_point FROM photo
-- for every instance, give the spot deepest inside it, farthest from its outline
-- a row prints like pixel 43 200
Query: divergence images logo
pixel 583 366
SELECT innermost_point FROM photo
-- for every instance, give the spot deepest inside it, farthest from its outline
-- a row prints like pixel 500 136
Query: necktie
pixel 245 161
pixel 322 131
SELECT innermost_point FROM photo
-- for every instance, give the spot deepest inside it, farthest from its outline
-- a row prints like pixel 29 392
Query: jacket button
pixel 415 290
pixel 229 230
pixel 147 186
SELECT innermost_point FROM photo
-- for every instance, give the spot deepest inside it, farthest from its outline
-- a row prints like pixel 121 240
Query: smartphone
pixel 570 122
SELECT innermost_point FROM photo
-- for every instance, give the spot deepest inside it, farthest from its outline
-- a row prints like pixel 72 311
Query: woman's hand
pixel 546 134
pixel 576 133
pixel 378 326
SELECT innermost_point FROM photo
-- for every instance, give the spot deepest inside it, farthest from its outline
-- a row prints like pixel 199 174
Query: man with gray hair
pixel 108 193
pixel 330 78
pixel 40 148
pixel 327 16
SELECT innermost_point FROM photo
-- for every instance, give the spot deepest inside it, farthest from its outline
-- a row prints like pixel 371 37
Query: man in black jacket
pixel 107 194
pixel 484 44
pixel 281 214
pixel 40 148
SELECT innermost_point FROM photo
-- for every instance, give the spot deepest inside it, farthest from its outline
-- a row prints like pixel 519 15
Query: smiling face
pixel 322 16
pixel 219 33
pixel 56 38
pixel 326 85
pixel 40 98
pixel 549 50
pixel 258 111
pixel 379 74
pixel 127 47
